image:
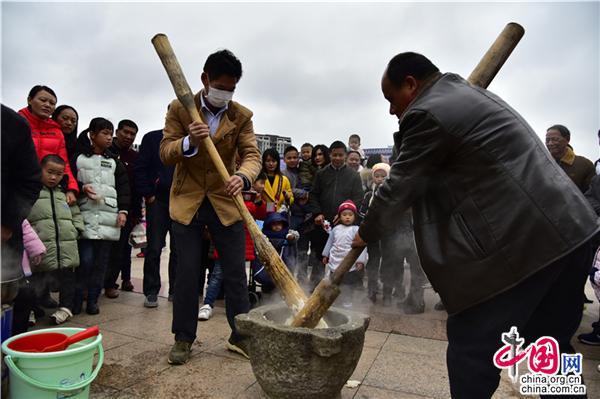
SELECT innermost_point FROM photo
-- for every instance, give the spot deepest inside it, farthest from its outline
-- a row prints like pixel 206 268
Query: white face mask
pixel 218 98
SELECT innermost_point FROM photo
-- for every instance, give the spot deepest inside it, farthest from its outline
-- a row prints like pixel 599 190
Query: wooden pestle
pixel 290 289
pixel 328 289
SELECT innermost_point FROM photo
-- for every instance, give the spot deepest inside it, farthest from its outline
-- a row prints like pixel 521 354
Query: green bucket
pixel 56 375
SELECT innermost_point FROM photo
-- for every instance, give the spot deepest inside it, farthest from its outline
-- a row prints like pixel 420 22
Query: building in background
pixel 385 151
pixel 265 141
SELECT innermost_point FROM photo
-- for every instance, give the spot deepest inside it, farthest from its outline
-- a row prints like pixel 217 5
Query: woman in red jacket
pixel 46 133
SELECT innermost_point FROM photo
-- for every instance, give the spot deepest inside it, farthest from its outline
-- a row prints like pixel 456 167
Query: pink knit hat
pixel 347 205
pixel 380 166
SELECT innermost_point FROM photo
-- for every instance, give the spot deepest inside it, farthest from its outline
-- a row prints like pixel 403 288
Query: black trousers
pixel 547 303
pixel 120 258
pixel 158 224
pixel 93 261
pixel 302 262
pixel 230 242
pixel 394 250
pixel 386 261
pixel 34 287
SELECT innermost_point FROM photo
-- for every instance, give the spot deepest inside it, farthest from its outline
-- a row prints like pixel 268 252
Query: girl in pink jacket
pixel 25 302
pixel 34 248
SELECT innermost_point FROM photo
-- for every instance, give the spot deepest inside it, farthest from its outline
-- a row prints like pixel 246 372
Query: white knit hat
pixel 381 166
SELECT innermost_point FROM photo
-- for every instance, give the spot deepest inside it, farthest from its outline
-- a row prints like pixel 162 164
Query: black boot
pixel 414 304
pixel 92 308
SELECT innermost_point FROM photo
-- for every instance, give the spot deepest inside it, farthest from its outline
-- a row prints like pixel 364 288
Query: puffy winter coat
pixel 258 212
pixel 108 177
pixel 33 246
pixel 48 139
pixel 58 225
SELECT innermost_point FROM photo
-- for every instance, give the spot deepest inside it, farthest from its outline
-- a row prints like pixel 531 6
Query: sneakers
pixel 151 301
pixel 205 312
pixel 92 308
pixel 126 285
pixel 439 306
pixel 592 338
pixel 170 298
pixel 180 353
pixel 238 346
pixel 61 315
pixel 111 293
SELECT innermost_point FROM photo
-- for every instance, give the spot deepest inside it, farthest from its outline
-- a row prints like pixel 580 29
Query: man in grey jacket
pixel 501 230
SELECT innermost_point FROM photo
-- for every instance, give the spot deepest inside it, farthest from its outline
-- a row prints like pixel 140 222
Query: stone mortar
pixel 302 363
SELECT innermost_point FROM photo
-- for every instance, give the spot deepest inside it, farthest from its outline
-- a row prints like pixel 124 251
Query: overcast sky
pixel 311 71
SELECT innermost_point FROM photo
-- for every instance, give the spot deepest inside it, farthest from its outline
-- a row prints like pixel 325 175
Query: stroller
pixel 258 278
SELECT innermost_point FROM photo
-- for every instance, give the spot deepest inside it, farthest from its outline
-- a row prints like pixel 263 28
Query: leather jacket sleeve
pixel 593 194
pixel 424 146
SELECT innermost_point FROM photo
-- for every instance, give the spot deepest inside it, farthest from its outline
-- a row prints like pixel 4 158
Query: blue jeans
pixel 214 284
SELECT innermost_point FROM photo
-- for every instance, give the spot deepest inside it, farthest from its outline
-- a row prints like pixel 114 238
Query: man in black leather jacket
pixel 501 231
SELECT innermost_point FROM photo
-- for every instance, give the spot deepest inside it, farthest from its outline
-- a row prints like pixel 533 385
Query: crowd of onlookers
pixel 91 189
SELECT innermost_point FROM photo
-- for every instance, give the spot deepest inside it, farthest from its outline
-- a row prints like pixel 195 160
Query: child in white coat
pixel 339 245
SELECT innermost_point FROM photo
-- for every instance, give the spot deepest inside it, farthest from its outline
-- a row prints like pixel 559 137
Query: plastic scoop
pixel 51 341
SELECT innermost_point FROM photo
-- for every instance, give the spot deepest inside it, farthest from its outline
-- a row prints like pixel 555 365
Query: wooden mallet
pixel 290 290
pixel 328 289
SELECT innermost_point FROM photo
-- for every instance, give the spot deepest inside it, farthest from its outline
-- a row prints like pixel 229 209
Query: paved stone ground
pixel 403 357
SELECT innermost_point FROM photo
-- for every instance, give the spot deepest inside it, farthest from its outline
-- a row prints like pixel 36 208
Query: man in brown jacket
pixel 199 197
pixel 579 169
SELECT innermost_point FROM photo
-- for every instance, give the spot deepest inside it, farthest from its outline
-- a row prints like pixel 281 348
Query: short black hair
pixel 354 152
pixel 271 152
pixel 413 64
pixel 562 130
pixel 128 123
pixel 288 149
pixel 37 88
pixel 311 146
pixel 60 109
pixel 99 123
pixel 261 176
pixel 338 144
pixel 223 62
pixel 52 158
pixel 354 136
pixel 373 159
pixel 323 148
